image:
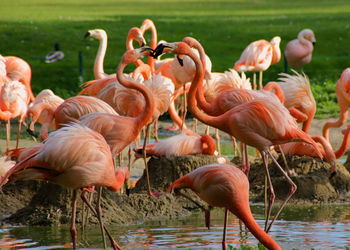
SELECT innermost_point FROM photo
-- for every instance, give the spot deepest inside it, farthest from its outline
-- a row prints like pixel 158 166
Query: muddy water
pixel 301 227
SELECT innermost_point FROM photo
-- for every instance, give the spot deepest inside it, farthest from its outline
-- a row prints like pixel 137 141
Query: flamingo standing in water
pixel 222 185
pixel 342 90
pixel 87 162
pixel 13 104
pixel 260 123
pixel 298 52
pixel 259 56
pixel 17 70
pixel 120 131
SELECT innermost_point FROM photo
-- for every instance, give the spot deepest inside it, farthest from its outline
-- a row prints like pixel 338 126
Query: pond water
pixel 299 227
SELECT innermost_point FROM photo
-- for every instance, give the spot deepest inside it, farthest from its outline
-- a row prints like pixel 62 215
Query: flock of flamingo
pixel 108 115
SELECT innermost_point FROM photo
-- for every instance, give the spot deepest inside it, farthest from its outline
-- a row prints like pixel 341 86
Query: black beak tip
pixel 313 43
pixel 87 34
pixel 143 44
pixel 32 133
pixel 181 61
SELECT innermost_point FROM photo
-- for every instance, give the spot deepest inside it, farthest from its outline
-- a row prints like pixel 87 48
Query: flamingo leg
pixel 254 81
pixel 247 166
pixel 184 107
pixel 73 229
pixel 272 192
pixel 8 134
pixel 234 142
pixel 207 130
pixel 18 132
pixel 217 137
pixel 284 159
pixel 292 190
pixel 145 162
pixel 99 216
pixel 155 130
pixel 260 80
pixel 88 203
pixel 195 125
pixel 224 232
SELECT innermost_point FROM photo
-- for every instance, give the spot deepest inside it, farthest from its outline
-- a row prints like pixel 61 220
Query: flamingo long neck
pixel 153 44
pixel 344 146
pixel 101 52
pixel 143 118
pixel 304 41
pixel 130 46
pixel 197 82
pixel 278 91
pixel 329 154
pixel 276 53
pixel 202 102
pixel 246 216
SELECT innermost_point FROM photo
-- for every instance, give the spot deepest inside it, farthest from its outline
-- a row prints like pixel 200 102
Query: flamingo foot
pixel 154 194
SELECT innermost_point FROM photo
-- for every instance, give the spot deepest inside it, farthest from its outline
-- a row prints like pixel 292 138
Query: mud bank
pixel 42 203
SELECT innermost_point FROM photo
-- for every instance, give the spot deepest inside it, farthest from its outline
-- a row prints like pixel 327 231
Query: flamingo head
pixel 146 24
pixel 133 55
pixel 308 34
pixel 208 145
pixel 136 34
pixel 98 34
pixel 179 48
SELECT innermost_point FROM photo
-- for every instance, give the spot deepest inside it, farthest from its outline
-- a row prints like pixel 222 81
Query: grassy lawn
pixel 31 27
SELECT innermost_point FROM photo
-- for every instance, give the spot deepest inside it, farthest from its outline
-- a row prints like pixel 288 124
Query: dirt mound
pixel 42 203
pixel 312 178
pixel 164 170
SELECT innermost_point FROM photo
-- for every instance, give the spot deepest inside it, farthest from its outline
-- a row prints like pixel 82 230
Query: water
pixel 301 227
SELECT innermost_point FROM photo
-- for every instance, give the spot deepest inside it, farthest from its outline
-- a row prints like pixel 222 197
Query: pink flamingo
pixel 342 90
pixel 181 144
pixel 101 35
pixel 72 109
pixel 299 99
pixel 260 123
pixel 18 70
pixel 301 148
pixel 222 185
pixel 298 52
pixel 258 56
pixel 120 131
pixel 13 103
pixel 45 103
pixel 87 162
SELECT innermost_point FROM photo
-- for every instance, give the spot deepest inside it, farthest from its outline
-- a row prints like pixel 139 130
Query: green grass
pixel 29 28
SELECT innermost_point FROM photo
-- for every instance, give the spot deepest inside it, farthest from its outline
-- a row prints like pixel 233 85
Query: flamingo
pixel 298 52
pixel 72 109
pixel 87 162
pixel 17 70
pixel 101 35
pixel 259 56
pixel 301 148
pixel 222 185
pixel 13 104
pixel 45 102
pixel 181 144
pixel 299 99
pixel 260 123
pixel 342 90
pixel 120 131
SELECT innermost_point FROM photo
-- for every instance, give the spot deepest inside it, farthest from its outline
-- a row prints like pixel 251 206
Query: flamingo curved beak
pixel 87 34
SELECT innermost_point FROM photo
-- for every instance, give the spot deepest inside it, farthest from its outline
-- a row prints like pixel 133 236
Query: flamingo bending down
pixel 299 98
pixel 87 162
pixel 45 103
pixel 301 148
pixel 260 123
pixel 13 104
pixel 17 70
pixel 222 185
pixel 259 56
pixel 72 109
pixel 342 90
pixel 298 52
pixel 120 131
